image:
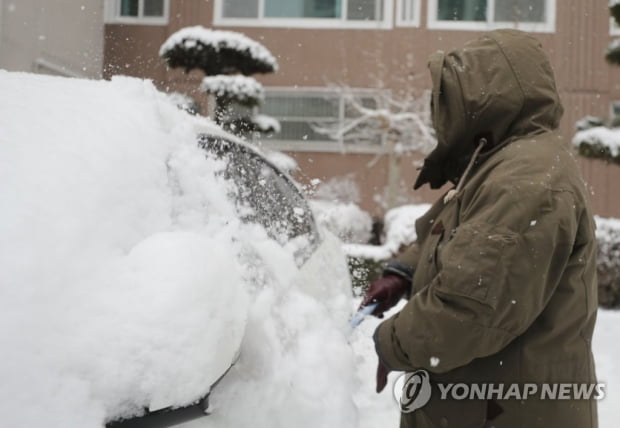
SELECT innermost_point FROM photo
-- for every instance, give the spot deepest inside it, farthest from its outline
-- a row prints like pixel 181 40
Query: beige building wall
pixel 393 59
pixel 62 37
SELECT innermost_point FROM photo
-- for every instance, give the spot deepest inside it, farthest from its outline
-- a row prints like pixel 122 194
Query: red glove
pixel 386 291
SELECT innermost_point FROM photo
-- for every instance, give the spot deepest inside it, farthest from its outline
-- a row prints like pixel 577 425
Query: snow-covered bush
pixel 266 124
pixel 599 142
pixel 365 261
pixel 334 203
pixel 341 189
pixel 588 122
pixel 214 51
pixel 234 89
pixel 345 220
pixel 399 233
pixel 608 264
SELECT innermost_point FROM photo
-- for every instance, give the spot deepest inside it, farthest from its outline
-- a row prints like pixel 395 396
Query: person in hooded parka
pixel 501 282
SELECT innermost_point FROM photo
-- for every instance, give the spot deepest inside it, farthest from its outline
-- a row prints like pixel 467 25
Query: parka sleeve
pixel 410 255
pixel 404 263
pixel 496 274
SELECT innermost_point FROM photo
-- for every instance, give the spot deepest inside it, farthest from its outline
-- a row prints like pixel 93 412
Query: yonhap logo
pixel 412 390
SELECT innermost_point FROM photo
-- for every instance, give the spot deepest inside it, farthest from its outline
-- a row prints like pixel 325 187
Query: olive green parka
pixel 504 289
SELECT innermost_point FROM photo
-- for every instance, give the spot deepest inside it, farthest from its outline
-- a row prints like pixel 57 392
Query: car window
pixel 267 196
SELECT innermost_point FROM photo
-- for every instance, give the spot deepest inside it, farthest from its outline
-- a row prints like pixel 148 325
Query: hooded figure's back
pixel 505 283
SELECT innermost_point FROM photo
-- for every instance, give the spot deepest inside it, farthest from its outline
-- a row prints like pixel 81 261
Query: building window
pixel 615 109
pixel 302 112
pixel 408 13
pixel 528 15
pixel 304 13
pixel 154 12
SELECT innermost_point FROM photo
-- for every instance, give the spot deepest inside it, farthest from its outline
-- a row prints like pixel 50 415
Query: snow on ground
pixel 606 348
pixel 128 280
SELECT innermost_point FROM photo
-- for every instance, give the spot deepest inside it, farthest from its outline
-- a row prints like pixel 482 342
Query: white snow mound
pixel 127 278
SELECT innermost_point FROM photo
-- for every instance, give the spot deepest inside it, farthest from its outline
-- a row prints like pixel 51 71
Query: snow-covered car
pixel 263 195
pixel 144 252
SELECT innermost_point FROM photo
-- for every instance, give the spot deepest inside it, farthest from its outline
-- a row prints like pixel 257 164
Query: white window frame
pixel 113 14
pixel 545 27
pixel 333 146
pixel 313 23
pixel 411 7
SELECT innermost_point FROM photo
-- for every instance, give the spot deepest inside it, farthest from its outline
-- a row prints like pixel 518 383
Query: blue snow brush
pixel 361 314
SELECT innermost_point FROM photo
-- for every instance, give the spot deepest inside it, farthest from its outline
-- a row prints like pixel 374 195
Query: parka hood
pixel 499 87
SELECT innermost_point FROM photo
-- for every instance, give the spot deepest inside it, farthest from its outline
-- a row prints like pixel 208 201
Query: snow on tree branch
pixel 216 52
pixel 599 142
pixel 612 54
pixel 243 90
pixel 266 124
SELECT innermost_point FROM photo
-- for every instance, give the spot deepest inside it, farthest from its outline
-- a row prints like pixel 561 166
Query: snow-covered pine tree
pixel 228 59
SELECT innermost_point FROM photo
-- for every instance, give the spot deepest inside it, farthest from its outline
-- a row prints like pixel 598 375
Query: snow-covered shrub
pixel 342 189
pixel 588 122
pixel 608 263
pixel 345 220
pixel 266 124
pixel 365 261
pixel 335 207
pixel 399 233
pixel 599 142
pixel 612 53
pixel 213 51
pixel 614 9
pixel 239 89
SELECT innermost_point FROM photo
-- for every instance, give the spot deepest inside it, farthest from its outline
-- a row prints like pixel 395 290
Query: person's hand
pixel 386 291
pixel 382 374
